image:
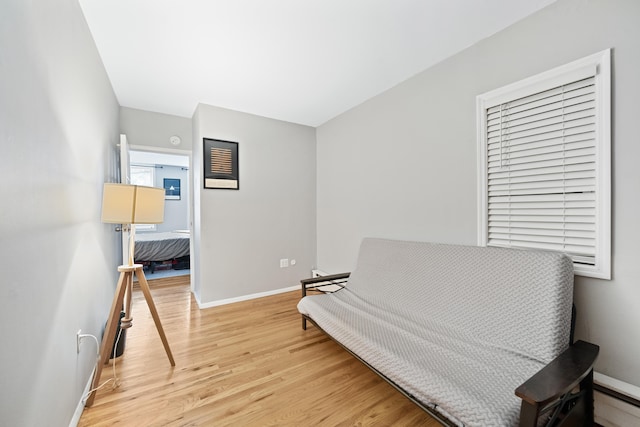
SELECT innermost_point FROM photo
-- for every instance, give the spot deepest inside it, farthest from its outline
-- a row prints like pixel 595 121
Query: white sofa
pixel 459 328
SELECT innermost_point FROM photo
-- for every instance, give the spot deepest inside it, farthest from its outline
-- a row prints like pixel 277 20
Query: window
pixel 544 164
pixel 143 175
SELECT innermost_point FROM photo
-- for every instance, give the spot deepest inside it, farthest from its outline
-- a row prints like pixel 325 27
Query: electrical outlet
pixel 284 262
pixel 78 337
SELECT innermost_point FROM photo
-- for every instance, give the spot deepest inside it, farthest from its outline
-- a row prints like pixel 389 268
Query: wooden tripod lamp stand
pixel 127 205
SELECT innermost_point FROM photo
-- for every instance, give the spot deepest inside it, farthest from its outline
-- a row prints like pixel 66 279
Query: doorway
pixel 164 249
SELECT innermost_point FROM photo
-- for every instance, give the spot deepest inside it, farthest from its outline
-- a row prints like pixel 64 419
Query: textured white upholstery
pixel 458 327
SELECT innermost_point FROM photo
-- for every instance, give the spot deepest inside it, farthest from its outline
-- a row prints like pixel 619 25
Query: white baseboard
pixel 612 412
pixel 246 297
pixel 80 408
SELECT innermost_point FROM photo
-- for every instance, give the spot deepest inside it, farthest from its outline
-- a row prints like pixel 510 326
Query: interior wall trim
pixel 225 301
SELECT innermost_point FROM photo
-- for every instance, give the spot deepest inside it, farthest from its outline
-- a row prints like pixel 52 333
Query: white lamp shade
pixel 132 204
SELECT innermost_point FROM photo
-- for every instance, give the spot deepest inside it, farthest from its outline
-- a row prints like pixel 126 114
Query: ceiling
pixel 302 61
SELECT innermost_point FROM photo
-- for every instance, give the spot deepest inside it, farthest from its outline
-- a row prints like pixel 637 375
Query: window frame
pixel 599 65
pixel 151 169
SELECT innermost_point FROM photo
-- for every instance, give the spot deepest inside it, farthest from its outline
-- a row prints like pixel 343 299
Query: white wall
pixel 154 129
pixel 241 235
pixel 403 164
pixel 58 131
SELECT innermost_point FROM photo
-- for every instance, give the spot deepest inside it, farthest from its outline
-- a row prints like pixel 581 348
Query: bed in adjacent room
pixel 158 248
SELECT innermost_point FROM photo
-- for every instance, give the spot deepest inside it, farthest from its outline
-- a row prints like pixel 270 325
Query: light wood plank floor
pixel 242 364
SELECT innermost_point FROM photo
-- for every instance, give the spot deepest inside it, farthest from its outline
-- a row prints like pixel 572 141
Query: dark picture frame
pixel 220 161
pixel 171 188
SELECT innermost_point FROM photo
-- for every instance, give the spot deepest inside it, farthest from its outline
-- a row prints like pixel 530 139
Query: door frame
pixel 189 154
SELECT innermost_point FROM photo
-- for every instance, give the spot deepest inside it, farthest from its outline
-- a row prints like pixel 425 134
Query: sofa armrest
pixel 321 279
pixel 553 385
pixel 561 375
pixel 318 282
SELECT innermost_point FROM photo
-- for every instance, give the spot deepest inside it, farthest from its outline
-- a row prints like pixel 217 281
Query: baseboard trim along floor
pixel 246 297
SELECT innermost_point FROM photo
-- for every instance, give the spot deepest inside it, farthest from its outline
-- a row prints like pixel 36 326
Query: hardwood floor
pixel 242 364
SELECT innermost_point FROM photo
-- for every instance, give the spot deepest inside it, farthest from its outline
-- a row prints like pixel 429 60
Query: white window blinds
pixel 542 170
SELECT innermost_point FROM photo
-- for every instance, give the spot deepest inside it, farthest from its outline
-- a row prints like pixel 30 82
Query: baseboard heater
pixel 616 394
pixel 617 403
pixel 620 390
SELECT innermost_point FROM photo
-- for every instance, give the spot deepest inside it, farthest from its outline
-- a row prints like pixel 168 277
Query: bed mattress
pixel 161 246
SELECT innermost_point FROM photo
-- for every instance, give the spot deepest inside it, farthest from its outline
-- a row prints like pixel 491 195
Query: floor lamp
pixel 127 205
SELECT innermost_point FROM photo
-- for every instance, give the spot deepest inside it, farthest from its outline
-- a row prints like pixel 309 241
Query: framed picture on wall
pixel 171 188
pixel 221 164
